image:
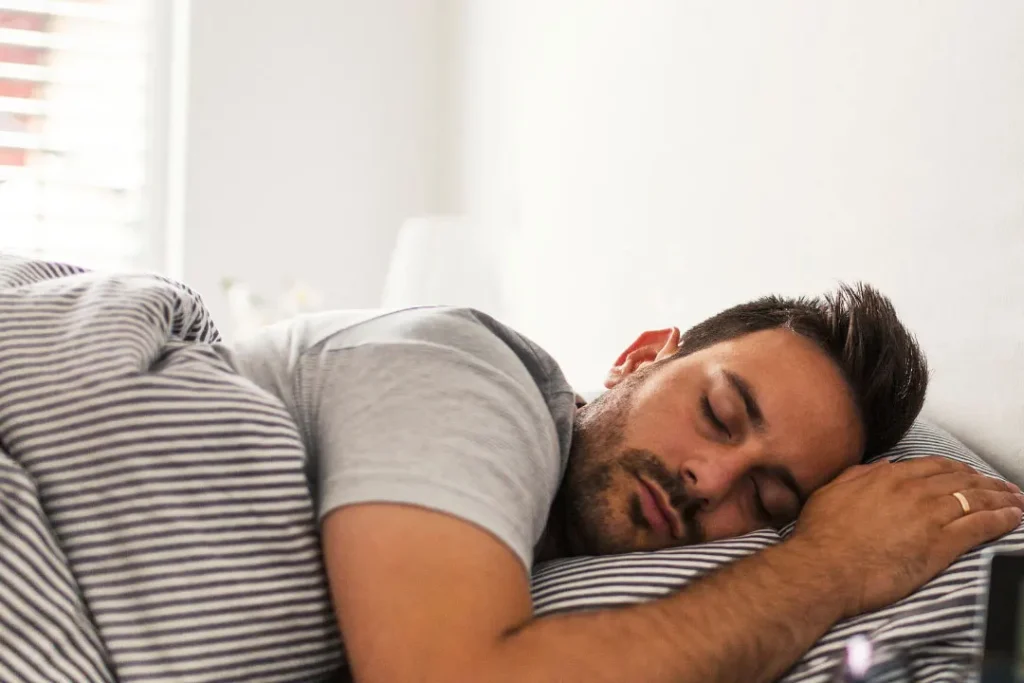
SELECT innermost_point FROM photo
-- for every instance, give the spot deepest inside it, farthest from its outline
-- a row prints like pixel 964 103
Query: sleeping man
pixel 447 455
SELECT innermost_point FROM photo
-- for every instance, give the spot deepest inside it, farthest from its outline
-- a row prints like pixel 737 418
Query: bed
pixel 155 522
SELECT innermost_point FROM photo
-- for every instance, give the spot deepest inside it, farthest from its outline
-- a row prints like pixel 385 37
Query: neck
pixel 554 542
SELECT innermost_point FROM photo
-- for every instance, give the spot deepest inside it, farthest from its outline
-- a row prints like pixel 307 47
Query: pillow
pixel 932 635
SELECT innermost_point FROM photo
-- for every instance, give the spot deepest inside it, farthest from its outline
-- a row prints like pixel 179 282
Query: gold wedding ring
pixel 962 499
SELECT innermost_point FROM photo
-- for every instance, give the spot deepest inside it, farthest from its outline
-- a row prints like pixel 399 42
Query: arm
pixel 425 597
pixel 748 622
pixel 422 596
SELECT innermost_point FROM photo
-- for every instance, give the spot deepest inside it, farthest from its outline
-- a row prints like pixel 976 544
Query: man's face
pixel 712 445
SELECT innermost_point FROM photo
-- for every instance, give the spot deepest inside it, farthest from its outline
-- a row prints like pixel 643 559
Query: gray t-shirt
pixel 442 408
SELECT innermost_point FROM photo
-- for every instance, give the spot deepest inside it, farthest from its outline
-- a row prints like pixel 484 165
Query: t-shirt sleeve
pixel 449 420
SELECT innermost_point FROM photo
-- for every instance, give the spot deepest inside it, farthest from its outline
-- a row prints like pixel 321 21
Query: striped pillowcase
pixel 931 636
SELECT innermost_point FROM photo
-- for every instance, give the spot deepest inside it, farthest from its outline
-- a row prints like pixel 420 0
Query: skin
pixel 422 596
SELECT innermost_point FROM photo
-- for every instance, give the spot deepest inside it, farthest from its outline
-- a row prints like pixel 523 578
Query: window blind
pixel 74 130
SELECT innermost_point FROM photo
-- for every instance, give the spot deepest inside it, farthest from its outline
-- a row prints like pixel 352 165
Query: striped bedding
pixel 155 523
pixel 933 636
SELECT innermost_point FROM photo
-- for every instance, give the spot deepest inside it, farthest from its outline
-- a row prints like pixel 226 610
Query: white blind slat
pixel 126 180
pixel 24 72
pixel 14 140
pixel 22 105
pixel 121 75
pixel 127 46
pixel 120 13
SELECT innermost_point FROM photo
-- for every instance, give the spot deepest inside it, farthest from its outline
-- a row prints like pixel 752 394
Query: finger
pixel 931 466
pixel 942 484
pixel 978 500
pixel 979 527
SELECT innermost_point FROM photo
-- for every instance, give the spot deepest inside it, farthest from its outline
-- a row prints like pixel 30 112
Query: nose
pixel 711 479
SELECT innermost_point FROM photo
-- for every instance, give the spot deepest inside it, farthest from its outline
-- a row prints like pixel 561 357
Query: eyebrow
pixel 743 389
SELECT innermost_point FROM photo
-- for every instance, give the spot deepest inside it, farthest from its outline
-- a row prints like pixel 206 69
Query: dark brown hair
pixel 858 328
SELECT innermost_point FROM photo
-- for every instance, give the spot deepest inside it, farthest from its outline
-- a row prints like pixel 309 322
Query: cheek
pixel 673 438
pixel 726 521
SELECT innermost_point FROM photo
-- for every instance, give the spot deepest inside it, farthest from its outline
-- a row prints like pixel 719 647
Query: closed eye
pixel 709 413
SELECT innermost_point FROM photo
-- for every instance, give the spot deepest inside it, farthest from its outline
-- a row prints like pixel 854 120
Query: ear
pixel 651 346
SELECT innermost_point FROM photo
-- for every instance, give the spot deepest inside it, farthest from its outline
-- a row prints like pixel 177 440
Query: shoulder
pixel 456 346
pixel 479 338
pixel 466 331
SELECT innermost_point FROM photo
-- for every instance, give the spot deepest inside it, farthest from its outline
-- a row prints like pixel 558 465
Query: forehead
pixel 812 422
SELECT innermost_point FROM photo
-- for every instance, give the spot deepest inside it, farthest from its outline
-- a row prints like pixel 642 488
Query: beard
pixel 599 503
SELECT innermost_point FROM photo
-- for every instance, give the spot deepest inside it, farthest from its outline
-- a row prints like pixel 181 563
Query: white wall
pixel 660 160
pixel 312 133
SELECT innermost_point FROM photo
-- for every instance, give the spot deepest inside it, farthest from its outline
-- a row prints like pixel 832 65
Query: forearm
pixel 749 621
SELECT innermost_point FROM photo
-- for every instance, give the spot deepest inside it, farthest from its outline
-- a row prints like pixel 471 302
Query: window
pixel 76 122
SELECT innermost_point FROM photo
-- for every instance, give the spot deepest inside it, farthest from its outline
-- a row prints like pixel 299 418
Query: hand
pixel 885 529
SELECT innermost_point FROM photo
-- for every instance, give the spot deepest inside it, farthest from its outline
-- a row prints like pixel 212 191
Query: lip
pixel 668 517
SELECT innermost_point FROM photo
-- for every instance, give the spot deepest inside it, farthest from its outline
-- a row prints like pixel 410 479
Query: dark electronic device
pixel 1003 658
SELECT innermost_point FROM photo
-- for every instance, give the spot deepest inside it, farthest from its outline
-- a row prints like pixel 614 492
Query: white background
pixel 311 135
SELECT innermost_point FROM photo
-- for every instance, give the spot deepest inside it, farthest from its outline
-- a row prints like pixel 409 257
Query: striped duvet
pixel 155 523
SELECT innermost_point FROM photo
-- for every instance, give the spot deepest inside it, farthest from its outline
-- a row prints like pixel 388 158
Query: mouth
pixel 658 510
